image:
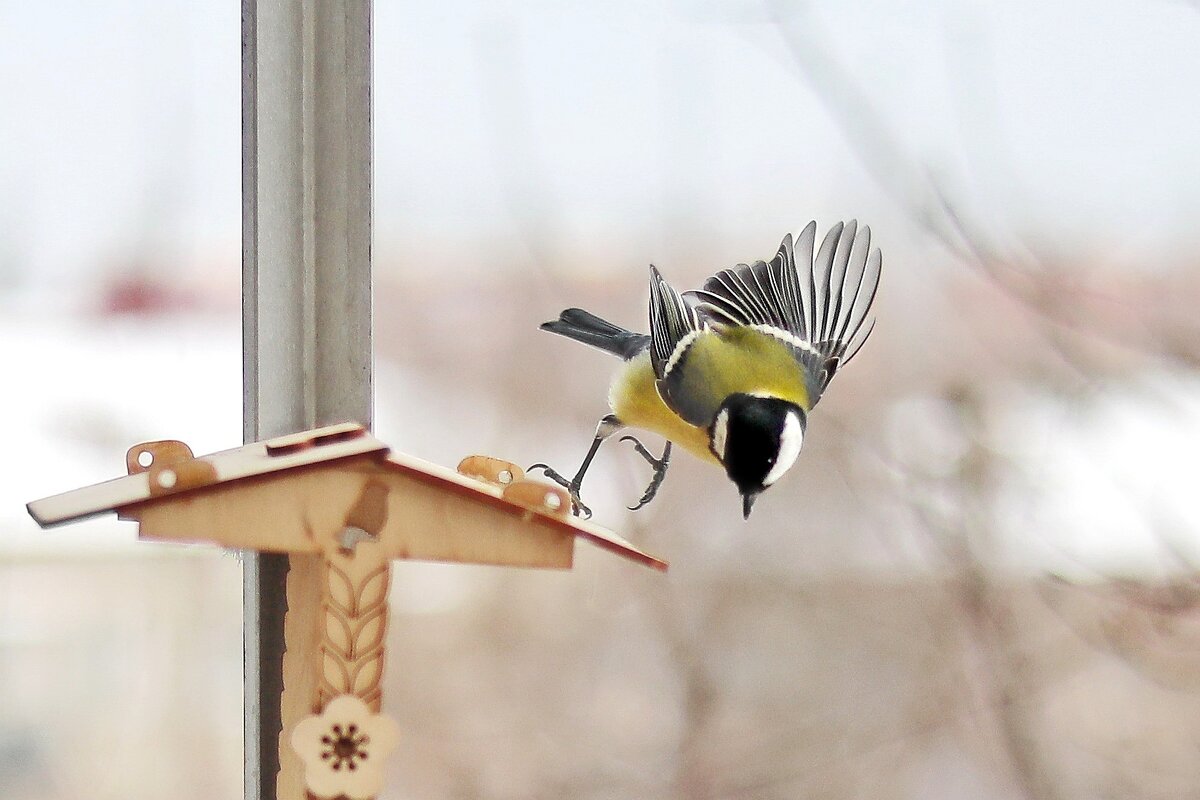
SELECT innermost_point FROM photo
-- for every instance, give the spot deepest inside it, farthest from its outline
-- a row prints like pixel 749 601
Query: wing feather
pixel 836 282
pixel 822 267
pixel 847 342
pixel 671 321
pixel 804 252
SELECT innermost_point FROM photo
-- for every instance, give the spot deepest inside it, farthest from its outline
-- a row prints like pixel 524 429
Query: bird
pixel 731 371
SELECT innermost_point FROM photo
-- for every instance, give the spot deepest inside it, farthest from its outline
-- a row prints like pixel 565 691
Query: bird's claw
pixel 660 469
pixel 572 487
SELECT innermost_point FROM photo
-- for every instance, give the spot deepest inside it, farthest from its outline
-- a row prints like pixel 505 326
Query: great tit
pixel 732 370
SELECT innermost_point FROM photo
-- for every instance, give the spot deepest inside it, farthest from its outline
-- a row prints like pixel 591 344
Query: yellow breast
pixel 634 399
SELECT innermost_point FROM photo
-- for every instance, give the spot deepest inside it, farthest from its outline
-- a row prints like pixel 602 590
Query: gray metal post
pixel 306 289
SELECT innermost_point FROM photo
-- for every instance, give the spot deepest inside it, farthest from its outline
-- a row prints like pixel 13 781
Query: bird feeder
pixel 340 494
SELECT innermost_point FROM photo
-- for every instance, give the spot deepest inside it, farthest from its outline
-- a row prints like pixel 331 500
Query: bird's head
pixel 757 439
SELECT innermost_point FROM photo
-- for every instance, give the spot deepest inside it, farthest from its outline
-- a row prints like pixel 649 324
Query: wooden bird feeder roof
pixel 277 495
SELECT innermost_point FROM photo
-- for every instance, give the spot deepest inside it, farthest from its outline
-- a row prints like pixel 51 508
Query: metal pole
pixel 306 306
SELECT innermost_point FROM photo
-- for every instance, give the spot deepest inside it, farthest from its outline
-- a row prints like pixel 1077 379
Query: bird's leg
pixel 607 427
pixel 660 469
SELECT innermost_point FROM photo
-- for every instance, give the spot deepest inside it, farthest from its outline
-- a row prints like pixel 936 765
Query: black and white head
pixel 757 439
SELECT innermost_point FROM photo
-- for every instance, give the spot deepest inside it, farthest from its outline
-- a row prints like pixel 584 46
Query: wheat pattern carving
pixel 355 625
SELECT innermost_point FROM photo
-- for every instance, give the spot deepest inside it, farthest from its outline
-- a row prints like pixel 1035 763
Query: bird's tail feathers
pixel 583 326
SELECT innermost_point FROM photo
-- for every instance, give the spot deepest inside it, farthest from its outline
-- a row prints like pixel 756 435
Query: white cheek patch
pixel 720 432
pixel 789 447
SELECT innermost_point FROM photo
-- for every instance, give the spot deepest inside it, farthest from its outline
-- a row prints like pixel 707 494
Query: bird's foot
pixel 660 469
pixel 572 487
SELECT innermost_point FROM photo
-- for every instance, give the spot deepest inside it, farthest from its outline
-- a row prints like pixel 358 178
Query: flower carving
pixel 343 748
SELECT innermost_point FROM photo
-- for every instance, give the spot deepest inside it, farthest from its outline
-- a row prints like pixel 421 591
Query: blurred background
pixel 980 579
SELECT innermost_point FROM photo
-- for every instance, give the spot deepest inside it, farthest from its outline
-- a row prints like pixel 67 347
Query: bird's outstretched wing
pixel 675 330
pixel 673 324
pixel 820 310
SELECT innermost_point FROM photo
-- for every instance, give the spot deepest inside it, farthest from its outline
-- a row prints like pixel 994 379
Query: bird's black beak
pixel 747 503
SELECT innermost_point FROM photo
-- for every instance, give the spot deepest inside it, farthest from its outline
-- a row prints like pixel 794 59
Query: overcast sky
pixel 632 132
